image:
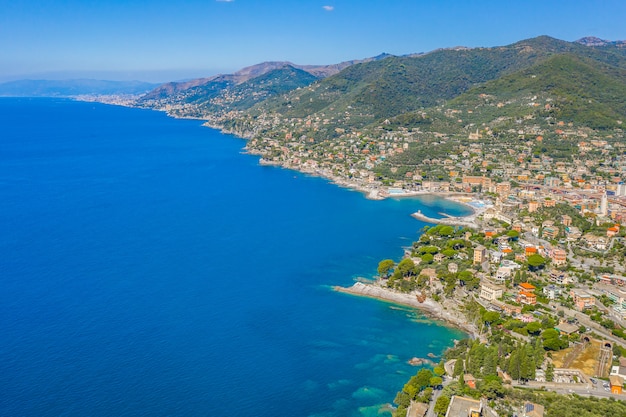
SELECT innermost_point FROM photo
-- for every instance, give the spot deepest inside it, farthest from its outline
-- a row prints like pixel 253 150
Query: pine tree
pixel 458 368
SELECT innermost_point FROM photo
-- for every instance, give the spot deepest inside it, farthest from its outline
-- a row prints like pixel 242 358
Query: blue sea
pixel 148 267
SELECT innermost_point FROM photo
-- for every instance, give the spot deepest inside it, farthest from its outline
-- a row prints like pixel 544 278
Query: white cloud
pixel 328 8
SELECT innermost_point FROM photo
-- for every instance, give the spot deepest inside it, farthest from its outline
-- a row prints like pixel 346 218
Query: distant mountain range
pixel 69 88
pixel 586 79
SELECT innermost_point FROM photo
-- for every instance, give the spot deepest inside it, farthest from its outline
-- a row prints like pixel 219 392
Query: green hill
pixel 580 90
pixel 374 91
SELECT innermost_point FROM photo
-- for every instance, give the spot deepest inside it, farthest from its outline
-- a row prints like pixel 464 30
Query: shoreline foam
pixel 429 307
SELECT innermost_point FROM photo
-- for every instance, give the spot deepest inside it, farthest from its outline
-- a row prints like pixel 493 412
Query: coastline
pixel 371 192
pixel 429 307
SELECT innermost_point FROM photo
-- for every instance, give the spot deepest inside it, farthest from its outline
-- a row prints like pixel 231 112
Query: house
pixel 508 309
pixel 612 231
pixel 417 409
pixel 619 370
pixel 616 383
pixel 530 250
pixel 480 254
pixel 490 291
pixel 526 298
pixel 582 299
pixel 550 232
pixel 526 294
pixel 470 381
pixel 533 206
pixel 559 257
pixel 551 291
pixel 502 274
pixel 618 296
pixel 559 277
pixel 464 407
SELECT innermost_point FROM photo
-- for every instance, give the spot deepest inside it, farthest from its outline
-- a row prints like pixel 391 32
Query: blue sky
pixel 158 40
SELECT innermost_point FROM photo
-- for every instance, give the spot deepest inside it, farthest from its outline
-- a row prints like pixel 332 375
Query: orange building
pixel 617 384
pixel 526 294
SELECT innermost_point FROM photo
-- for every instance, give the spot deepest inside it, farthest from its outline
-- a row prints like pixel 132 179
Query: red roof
pixel 527 286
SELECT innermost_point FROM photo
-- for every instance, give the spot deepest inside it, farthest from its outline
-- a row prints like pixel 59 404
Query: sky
pixel 158 41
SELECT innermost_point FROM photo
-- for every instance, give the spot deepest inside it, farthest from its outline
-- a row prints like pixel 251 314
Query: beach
pixel 429 307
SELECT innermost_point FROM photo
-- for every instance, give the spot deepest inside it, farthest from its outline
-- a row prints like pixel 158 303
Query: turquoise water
pixel 149 268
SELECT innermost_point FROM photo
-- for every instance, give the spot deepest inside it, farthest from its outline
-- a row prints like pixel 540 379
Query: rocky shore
pixel 429 307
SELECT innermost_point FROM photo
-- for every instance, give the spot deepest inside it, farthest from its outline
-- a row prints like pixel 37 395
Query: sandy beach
pixel 429 307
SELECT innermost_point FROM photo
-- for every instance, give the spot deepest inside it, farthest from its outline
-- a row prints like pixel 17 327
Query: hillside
pixel 580 91
pixel 174 92
pixel 378 90
pixel 394 118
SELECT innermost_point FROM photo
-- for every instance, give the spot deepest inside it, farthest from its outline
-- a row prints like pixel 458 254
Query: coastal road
pixel 585 390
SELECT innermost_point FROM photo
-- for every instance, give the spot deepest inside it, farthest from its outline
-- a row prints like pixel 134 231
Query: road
pixel 587 322
pixel 586 390
pixel 436 394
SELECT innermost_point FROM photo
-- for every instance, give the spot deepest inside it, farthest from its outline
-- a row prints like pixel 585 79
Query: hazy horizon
pixel 163 41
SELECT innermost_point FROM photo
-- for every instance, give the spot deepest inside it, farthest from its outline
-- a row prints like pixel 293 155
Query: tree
pixel 427 258
pixel 459 369
pixel 536 262
pixel 491 316
pixel 513 234
pixel 550 372
pixel 441 406
pixel 422 380
pixel 436 381
pixel 534 328
pixel 385 266
pixel 406 267
pixel 493 389
pixel 552 341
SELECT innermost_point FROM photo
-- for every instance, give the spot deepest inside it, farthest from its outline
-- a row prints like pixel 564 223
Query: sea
pixel 150 267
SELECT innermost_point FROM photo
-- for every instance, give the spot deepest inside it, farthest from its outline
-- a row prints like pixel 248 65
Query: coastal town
pixel 541 263
pixel 536 274
pixel 537 270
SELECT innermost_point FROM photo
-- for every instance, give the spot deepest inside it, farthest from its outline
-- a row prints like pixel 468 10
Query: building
pixel 490 291
pixel 582 299
pixel 566 220
pixel 533 206
pixel 526 294
pixel 616 383
pixel 480 254
pixel 551 291
pixel 464 407
pixel 604 205
pixel 417 409
pixel 619 370
pixel 559 277
pixel 550 232
pixel 503 188
pixel 618 296
pixel 470 381
pixel 559 257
